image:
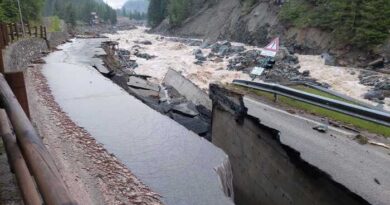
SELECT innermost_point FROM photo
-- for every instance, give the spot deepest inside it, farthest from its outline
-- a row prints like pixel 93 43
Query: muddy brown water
pixel 173 161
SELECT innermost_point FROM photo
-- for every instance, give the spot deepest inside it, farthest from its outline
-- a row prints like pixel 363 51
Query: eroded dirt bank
pixel 91 173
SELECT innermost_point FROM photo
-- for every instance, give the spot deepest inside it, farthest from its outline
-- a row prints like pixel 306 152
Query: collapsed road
pixel 173 161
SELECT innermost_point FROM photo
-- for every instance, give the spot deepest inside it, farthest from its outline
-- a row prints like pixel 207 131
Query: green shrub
pixel 178 11
pixel 55 24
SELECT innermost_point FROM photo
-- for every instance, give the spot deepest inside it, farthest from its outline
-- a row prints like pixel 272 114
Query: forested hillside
pixel 72 10
pixel 361 23
pixel 135 9
pixel 31 10
pixel 357 23
pixel 140 6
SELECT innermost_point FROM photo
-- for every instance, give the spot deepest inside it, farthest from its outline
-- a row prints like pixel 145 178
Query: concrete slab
pixel 364 170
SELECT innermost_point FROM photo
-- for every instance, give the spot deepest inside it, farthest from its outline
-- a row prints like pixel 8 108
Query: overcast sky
pixel 116 4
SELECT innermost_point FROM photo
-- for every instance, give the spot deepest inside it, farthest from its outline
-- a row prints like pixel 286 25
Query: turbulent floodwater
pixel 341 79
pixel 179 56
pixel 173 161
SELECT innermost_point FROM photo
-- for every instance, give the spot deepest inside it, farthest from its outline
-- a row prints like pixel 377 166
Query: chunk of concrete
pixel 194 124
pixel 188 109
pixel 140 83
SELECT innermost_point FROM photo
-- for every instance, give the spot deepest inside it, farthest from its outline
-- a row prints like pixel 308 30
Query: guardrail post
pixel 5 34
pixel 17 163
pixel 29 29
pixel 43 168
pixel 16 31
pixel 36 31
pixel 41 31
pixel 11 32
pixel 18 86
pixel 44 30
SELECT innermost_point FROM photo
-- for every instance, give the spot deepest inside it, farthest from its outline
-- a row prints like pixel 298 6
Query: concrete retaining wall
pixel 265 171
pixel 17 56
pixel 188 89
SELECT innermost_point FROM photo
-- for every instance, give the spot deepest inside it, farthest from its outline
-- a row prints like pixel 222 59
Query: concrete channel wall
pixel 265 171
pixel 17 56
pixel 187 88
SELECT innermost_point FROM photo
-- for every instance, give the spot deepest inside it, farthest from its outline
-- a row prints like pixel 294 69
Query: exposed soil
pixel 92 175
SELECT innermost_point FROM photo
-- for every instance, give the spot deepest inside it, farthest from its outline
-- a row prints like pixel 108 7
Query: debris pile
pixel 164 99
pixel 380 84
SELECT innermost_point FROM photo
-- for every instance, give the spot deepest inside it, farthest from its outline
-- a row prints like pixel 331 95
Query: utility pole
pixel 21 17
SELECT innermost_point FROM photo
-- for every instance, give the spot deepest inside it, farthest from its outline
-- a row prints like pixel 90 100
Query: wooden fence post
pixel 29 29
pixel 11 32
pixel 41 31
pixel 36 31
pixel 45 32
pixel 6 35
pixel 16 31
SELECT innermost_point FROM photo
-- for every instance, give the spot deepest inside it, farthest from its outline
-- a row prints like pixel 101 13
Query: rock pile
pixel 225 48
pixel 380 84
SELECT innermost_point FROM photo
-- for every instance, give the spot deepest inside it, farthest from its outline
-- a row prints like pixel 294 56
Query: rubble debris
pixel 144 42
pixel 187 108
pixel 361 139
pixel 38 61
pixel 321 128
pixel 143 55
pixel 194 124
pixel 142 84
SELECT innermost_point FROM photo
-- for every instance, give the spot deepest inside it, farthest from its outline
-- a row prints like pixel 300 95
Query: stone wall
pixel 265 171
pixel 17 56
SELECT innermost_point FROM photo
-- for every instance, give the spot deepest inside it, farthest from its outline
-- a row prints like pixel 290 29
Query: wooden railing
pixel 12 31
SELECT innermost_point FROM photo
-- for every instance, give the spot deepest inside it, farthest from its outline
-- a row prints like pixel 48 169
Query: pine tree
pixel 157 11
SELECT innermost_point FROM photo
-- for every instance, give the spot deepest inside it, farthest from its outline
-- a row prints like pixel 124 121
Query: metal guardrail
pixel 361 112
pixel 37 157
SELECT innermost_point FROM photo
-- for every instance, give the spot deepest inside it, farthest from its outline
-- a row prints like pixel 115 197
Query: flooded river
pixel 179 56
pixel 173 161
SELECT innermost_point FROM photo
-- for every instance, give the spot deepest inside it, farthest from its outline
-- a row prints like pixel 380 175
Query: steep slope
pixel 258 24
pixel 136 5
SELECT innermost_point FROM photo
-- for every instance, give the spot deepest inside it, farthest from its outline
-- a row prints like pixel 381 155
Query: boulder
pixel 197 51
pixel 374 94
pixel 329 59
pixel 306 73
pixel 237 49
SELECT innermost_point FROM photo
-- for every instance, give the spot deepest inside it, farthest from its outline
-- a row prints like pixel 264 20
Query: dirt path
pixel 93 175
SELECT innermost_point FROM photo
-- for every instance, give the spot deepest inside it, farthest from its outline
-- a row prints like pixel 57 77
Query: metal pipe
pixel 25 181
pixel 38 158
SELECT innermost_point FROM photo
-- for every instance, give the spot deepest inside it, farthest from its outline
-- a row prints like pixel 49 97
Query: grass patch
pixel 321 93
pixel 319 111
pixel 55 24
